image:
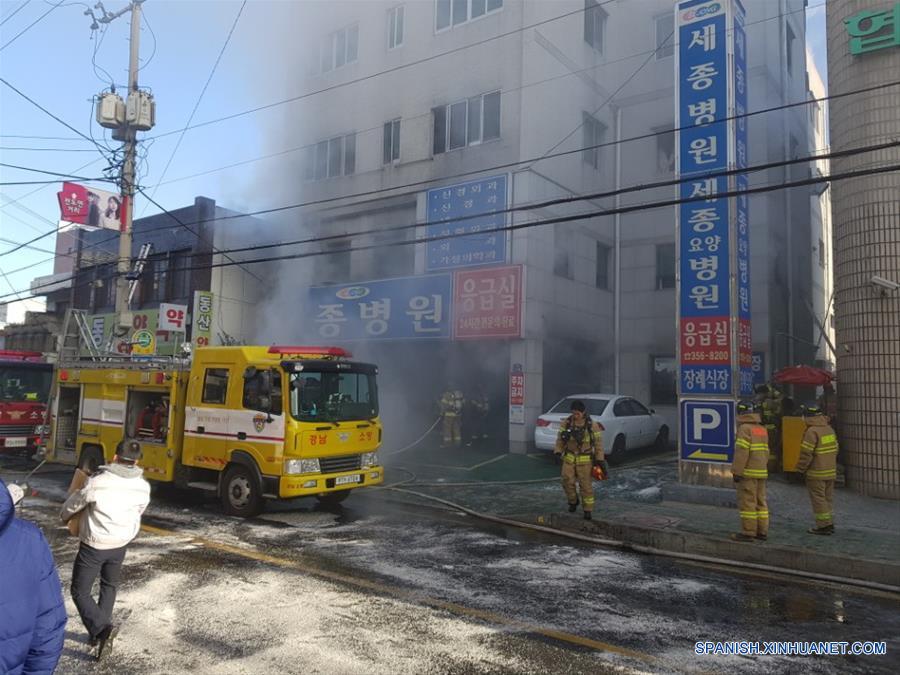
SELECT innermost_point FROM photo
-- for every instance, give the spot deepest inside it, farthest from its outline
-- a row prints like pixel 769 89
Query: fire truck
pixel 25 380
pixel 246 422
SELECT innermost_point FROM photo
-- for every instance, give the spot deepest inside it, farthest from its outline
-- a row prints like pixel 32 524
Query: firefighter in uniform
pixel 479 410
pixel 818 460
pixel 580 443
pixel 451 414
pixel 771 406
pixel 751 456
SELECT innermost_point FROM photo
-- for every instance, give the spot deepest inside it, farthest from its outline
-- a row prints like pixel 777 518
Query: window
pixel 331 158
pixel 592 134
pixel 391 143
pixel 594 24
pixel 339 48
pixel 468 122
pixel 448 13
pixel 662 380
pixel 333 396
pixel 665 266
pixel 821 254
pixel 395 27
pixel 215 385
pixel 595 406
pixel 180 275
pixel 621 408
pixel 561 266
pixel 255 396
pixel 665 150
pixel 665 36
pixel 153 280
pixel 789 38
pixel 603 252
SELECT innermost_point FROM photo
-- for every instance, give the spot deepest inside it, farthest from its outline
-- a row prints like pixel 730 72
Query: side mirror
pixel 652 411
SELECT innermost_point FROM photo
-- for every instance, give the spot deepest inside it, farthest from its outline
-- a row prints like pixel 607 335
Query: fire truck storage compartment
pixel 147 416
pixel 67 418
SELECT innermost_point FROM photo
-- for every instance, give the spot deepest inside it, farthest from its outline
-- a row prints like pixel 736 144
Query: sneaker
pixel 587 515
pixel 740 536
pixel 105 641
pixel 825 531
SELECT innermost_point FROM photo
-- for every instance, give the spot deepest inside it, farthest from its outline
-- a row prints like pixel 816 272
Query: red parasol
pixel 803 375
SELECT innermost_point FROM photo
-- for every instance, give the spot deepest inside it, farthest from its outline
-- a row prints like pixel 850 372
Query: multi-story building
pixel 558 99
pixel 864 53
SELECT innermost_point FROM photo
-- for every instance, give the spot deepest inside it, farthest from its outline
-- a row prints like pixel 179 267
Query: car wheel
pixel 618 448
pixel 333 498
pixel 241 492
pixel 662 438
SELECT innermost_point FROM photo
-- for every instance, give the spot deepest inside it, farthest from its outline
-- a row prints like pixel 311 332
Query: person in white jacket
pixel 109 507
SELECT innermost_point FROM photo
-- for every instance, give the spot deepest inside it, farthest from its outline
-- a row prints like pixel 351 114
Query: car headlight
pixel 368 460
pixel 296 466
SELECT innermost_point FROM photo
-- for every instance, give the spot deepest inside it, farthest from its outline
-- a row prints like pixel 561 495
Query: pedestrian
pixel 109 508
pixel 751 456
pixel 32 611
pixel 818 461
pixel 580 443
pixel 451 406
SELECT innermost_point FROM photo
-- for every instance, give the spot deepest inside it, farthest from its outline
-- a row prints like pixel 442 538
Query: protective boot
pixel 574 506
pixel 587 515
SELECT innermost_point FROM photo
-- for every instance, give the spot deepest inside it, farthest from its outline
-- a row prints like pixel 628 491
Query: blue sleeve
pixel 49 630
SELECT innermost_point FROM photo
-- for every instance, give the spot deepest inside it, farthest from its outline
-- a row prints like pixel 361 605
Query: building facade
pixel 562 100
pixel 864 52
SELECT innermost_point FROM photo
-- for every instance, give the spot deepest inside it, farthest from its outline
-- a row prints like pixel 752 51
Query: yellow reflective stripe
pixel 742 443
pixel 762 514
pixel 584 459
pixel 826 452
pixel 829 438
pixel 748 514
pixel 807 446
pixel 755 473
pixel 588 501
pixel 822 473
pixel 824 516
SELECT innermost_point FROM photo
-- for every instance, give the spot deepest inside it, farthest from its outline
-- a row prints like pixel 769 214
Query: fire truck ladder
pixel 135 276
pixel 80 334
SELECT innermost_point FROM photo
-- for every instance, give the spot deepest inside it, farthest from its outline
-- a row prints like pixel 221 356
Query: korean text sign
pixel 482 200
pixel 407 307
pixel 201 318
pixel 172 317
pixel 487 303
pixel 705 291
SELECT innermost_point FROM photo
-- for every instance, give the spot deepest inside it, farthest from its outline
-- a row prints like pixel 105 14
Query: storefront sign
pixel 172 317
pixel 388 309
pixel 872 30
pixel 476 205
pixel 517 394
pixel 201 319
pixel 143 322
pixel 90 207
pixel 487 303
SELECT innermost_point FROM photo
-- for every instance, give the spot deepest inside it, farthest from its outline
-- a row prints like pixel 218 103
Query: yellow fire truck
pixel 246 422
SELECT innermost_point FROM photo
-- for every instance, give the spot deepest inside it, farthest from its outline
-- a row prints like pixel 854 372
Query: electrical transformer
pixel 140 110
pixel 110 110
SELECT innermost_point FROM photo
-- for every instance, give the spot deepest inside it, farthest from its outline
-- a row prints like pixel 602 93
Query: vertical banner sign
pixel 740 183
pixel 469 207
pixel 201 319
pixel 517 394
pixel 715 343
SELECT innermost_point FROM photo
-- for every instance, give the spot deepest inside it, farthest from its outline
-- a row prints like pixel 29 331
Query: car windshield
pixel 595 406
pixel 25 383
pixel 333 396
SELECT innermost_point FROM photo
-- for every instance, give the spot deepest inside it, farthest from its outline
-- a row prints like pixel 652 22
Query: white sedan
pixel 626 423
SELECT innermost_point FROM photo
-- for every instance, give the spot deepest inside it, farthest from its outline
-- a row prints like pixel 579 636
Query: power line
pixel 52 173
pixel 860 173
pixel 31 25
pixel 199 99
pixel 15 11
pixel 23 149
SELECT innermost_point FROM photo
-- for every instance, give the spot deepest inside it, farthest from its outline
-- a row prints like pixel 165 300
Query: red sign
pixel 90 207
pixel 705 341
pixel 487 303
pixel 517 385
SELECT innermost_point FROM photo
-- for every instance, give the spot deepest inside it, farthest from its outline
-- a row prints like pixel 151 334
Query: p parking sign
pixel 707 431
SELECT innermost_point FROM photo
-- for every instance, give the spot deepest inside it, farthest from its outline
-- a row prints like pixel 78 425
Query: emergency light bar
pixel 336 352
pixel 16 355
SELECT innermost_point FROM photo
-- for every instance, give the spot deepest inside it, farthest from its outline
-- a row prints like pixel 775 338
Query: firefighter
pixel 751 455
pixel 771 402
pixel 451 405
pixel 479 409
pixel 818 461
pixel 580 444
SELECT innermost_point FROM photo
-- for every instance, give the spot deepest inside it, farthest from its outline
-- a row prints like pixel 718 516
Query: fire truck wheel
pixel 241 492
pixel 333 498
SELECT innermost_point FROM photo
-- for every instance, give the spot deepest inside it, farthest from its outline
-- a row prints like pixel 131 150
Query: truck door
pixel 207 433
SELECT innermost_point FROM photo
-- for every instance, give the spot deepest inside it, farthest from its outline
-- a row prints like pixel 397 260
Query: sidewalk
pixel 630 508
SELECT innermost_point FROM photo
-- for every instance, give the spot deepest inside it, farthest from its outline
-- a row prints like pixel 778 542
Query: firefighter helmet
pixel 811 410
pixel 746 407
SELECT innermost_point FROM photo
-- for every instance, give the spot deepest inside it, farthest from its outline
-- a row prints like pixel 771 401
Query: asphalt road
pixel 379 587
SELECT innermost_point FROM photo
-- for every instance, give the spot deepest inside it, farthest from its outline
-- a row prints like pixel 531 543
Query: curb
pixel 759 553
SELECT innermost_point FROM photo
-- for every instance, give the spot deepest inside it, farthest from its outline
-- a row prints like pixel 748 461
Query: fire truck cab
pixel 25 380
pixel 247 422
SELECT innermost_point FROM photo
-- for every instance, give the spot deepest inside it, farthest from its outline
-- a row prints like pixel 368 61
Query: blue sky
pixel 53 62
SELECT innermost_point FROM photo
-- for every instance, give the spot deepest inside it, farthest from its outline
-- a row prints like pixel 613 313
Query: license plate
pixel 344 480
pixel 16 442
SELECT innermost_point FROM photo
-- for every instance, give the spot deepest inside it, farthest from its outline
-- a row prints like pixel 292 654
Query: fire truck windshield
pixel 333 396
pixel 25 382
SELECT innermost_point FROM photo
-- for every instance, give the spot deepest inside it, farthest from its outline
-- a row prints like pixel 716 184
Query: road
pixel 381 587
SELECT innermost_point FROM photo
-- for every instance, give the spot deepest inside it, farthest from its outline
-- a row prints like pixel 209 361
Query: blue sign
pixel 403 308
pixel 759 368
pixel 470 207
pixel 707 431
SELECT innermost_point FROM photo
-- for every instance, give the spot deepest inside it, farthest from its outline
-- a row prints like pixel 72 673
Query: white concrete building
pixel 438 92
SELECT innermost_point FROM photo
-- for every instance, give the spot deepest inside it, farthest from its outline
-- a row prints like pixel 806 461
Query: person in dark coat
pixel 32 613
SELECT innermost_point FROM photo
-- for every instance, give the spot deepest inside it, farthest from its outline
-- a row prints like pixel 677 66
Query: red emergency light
pixel 16 355
pixel 336 352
